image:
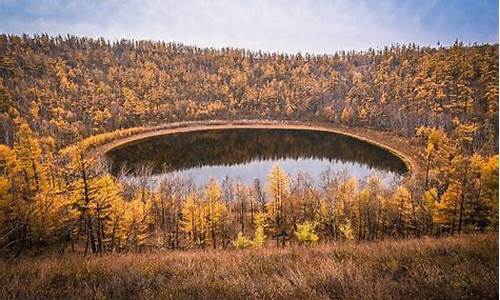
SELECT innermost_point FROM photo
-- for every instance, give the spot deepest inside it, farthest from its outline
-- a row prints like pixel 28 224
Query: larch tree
pixel 215 210
pixel 278 182
pixel 193 220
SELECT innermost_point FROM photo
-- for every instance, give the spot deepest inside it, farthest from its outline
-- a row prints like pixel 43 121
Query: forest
pixel 58 95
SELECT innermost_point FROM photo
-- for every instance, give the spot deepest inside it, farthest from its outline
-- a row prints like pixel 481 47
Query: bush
pixel 260 223
pixel 306 233
pixel 241 241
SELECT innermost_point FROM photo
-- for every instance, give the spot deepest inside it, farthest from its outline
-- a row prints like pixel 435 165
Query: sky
pixel 314 26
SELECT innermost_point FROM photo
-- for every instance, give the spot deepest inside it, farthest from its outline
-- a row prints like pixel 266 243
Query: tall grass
pixel 446 268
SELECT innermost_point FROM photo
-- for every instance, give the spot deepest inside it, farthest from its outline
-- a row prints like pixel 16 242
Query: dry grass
pixel 447 268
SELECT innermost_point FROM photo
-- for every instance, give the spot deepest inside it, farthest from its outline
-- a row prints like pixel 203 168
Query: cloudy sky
pixel 317 26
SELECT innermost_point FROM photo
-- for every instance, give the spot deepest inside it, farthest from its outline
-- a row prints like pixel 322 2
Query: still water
pixel 248 154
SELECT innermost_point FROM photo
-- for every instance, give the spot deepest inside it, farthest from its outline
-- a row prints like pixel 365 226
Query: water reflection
pixel 251 153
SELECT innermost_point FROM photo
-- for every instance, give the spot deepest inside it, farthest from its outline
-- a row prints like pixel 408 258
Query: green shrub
pixel 242 242
pixel 306 233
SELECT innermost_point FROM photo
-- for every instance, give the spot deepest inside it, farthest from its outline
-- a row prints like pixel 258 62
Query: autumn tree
pixel 193 220
pixel 215 210
pixel 278 189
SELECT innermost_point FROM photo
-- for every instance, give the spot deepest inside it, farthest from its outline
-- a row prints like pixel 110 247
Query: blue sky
pixel 317 26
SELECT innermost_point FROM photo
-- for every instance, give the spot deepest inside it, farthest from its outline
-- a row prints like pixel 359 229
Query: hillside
pixel 71 87
pixel 61 97
pixel 263 149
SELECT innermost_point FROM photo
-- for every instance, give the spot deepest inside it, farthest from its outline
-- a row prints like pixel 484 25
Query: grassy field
pixel 447 268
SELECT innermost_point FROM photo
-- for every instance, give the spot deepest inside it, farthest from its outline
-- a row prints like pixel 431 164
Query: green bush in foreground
pixel 305 233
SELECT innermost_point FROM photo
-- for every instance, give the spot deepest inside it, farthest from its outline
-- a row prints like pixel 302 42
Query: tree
pixel 347 231
pixel 107 195
pixel 260 224
pixel 84 190
pixel 401 208
pixel 193 220
pixel 56 95
pixel 447 208
pixel 136 222
pixel 29 189
pixel 489 184
pixel 241 196
pixel 431 200
pixel 436 149
pixel 215 210
pixel 259 194
pixel 278 189
pixel 371 206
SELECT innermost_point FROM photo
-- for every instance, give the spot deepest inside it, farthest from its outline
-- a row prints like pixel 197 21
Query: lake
pixel 248 154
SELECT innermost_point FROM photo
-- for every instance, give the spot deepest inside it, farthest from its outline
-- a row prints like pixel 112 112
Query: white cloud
pixel 318 26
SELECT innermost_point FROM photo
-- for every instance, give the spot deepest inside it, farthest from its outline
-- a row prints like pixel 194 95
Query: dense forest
pixel 69 88
pixel 56 91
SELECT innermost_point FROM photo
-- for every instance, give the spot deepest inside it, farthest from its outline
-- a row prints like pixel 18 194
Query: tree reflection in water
pixel 250 154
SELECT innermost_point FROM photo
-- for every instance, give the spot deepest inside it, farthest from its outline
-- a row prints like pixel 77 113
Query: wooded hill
pixel 70 87
pixel 54 91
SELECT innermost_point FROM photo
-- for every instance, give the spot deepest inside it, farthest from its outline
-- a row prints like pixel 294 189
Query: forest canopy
pixel 56 91
pixel 69 87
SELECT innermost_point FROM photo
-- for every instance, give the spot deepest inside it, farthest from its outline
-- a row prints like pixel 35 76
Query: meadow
pixel 455 267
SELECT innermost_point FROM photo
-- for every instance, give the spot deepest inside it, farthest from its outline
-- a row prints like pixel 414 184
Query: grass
pixel 446 268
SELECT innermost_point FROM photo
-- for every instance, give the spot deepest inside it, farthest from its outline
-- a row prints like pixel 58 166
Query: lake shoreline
pixel 398 146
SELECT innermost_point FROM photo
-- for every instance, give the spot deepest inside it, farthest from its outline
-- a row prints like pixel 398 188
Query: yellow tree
pixel 93 192
pixel 108 194
pixel 431 200
pixel 359 215
pixel 489 191
pixel 136 222
pixel 241 197
pixel 437 149
pixel 241 241
pixel 32 206
pixel 374 206
pixel 84 189
pixel 447 209
pixel 278 189
pixel 400 210
pixel 336 208
pixel 117 209
pixel 29 156
pixel 260 221
pixel 347 231
pixel 8 194
pixel 193 219
pixel 215 210
pixel 32 199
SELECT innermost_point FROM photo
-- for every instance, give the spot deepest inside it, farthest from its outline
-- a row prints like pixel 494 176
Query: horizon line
pixel 438 44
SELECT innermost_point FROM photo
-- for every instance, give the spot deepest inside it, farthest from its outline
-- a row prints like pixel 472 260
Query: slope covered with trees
pixel 69 87
pixel 56 91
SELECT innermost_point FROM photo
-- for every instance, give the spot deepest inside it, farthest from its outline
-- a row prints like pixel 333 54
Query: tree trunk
pixel 462 201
